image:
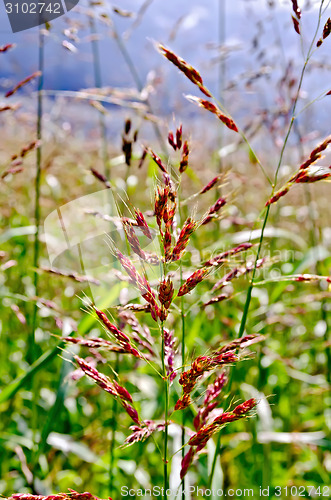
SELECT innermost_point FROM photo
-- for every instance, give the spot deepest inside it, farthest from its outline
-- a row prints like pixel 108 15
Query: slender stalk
pixel 36 248
pixel 182 314
pixel 98 84
pixel 166 411
pixel 32 351
pixel 113 426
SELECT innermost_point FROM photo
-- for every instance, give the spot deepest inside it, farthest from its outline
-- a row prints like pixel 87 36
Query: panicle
pixel 193 280
pixel 188 70
pixel 209 106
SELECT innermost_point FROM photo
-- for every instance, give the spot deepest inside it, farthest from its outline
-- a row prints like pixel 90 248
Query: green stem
pixel 182 314
pixel 37 195
pixel 32 350
pixel 166 411
pixel 113 426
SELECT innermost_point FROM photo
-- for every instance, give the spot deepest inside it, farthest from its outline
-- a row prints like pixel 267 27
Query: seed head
pixel 193 280
pixel 184 158
pixel 209 106
pixel 188 228
pixel 188 70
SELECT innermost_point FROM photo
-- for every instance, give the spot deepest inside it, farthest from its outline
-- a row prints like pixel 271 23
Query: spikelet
pixel 214 209
pixel 199 367
pixel 216 300
pixel 219 259
pixel 100 177
pixel 210 185
pixel 184 158
pixel 141 221
pixel 183 239
pixel 206 432
pixel 22 83
pixel 157 160
pixel 209 106
pixel 212 393
pixel 107 385
pixel 192 74
pixel 143 431
pixel 192 281
pixel 169 353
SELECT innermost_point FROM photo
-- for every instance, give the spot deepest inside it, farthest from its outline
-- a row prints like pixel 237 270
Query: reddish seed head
pixel 157 160
pixel 327 29
pixel 179 136
pixel 166 292
pixel 171 141
pixel 188 228
pixel 209 106
pixel 210 185
pixel 296 9
pixel 191 73
pixel 22 83
pixel 184 159
pixel 192 281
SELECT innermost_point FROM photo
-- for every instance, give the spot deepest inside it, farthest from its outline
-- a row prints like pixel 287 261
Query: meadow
pixel 165 255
